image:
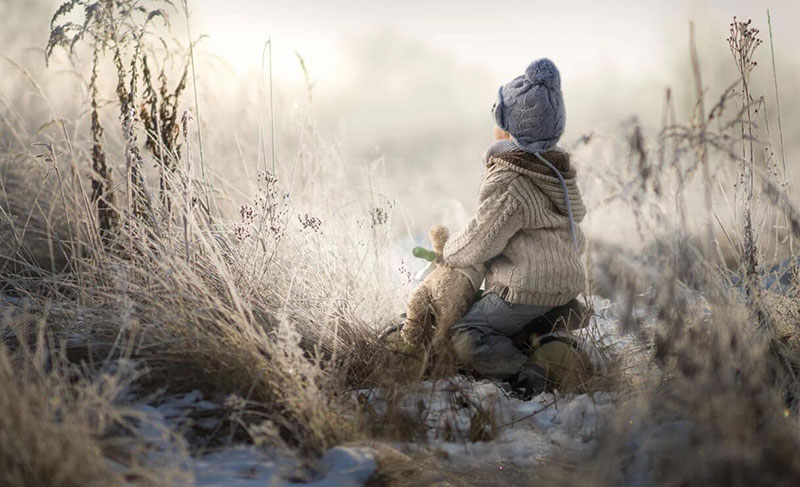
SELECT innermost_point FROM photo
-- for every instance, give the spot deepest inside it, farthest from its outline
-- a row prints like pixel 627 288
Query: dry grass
pixel 63 424
pixel 718 405
pixel 278 309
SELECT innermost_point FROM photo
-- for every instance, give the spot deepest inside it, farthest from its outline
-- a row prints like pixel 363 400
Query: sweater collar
pixel 508 151
pixel 502 146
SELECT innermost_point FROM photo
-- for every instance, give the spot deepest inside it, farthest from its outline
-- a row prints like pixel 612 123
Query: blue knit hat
pixel 530 107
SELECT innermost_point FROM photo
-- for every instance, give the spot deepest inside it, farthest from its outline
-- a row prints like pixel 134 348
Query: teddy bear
pixel 441 299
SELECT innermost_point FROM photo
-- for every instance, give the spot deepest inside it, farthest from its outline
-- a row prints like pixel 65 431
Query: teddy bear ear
pixel 439 236
pixel 544 72
pixel 439 233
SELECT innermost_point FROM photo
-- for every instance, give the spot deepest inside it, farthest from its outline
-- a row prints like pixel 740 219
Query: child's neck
pixel 500 146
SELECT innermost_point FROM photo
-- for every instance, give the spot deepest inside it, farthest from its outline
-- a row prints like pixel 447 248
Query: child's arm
pixel 497 219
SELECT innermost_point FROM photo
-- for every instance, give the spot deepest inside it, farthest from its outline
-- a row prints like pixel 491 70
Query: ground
pixel 460 440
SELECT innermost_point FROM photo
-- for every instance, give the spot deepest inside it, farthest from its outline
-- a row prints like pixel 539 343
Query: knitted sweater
pixel 521 230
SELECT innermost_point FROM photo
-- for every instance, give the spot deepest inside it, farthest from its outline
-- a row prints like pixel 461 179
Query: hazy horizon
pixel 405 89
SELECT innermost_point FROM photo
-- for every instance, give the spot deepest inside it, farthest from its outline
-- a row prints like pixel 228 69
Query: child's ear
pixel 500 134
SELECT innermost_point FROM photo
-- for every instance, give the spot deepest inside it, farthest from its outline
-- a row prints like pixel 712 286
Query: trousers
pixel 482 338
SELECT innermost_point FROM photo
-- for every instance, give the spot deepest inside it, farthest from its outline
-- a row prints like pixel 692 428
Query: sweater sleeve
pixel 497 219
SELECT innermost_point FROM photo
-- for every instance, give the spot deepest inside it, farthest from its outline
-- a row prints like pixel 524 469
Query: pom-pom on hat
pixel 531 108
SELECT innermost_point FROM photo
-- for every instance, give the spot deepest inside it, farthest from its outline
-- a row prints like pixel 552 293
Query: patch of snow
pixel 239 467
pixel 252 467
pixel 178 412
pixel 521 432
pixel 346 466
pixel 244 466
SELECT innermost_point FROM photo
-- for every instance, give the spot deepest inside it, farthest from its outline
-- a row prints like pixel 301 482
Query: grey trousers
pixel 482 338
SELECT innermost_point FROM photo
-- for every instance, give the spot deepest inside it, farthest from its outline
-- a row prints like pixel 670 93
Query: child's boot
pixel 532 379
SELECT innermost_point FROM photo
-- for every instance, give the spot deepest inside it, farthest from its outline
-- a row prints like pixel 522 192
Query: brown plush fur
pixel 438 302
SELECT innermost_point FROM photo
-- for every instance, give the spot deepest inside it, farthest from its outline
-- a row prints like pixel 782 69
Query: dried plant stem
pixel 187 190
pixel 102 196
pixel 743 42
pixel 271 108
pixel 780 123
pixel 750 246
pixel 196 105
pixel 777 96
pixel 701 128
pixel 262 136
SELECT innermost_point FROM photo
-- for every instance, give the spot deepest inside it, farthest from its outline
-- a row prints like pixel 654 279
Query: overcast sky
pixel 411 82
pixel 631 37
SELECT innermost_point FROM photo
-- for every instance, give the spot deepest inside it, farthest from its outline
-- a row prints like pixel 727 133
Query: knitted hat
pixel 530 107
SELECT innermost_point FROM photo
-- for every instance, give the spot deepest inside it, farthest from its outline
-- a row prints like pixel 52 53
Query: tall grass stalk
pixel 201 152
pixel 777 95
pixel 700 118
pixel 786 173
pixel 271 107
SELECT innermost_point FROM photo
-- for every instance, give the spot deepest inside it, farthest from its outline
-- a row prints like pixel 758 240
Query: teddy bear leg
pixel 418 317
pixel 449 310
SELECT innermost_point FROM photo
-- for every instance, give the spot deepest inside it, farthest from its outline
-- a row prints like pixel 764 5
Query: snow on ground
pixel 525 432
pixel 518 432
pixel 507 429
pixel 515 431
pixel 251 467
pixel 245 465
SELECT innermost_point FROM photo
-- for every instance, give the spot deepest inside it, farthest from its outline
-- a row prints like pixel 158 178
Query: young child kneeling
pixel 525 230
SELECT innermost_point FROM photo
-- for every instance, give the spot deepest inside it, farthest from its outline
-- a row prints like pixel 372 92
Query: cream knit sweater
pixel 521 231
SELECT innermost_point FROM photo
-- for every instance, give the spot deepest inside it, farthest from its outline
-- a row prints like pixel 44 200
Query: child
pixel 525 229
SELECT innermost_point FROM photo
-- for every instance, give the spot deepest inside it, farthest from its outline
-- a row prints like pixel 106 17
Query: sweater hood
pixel 543 177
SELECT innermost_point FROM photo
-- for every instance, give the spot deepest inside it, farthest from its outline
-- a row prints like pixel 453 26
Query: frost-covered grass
pixel 222 333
